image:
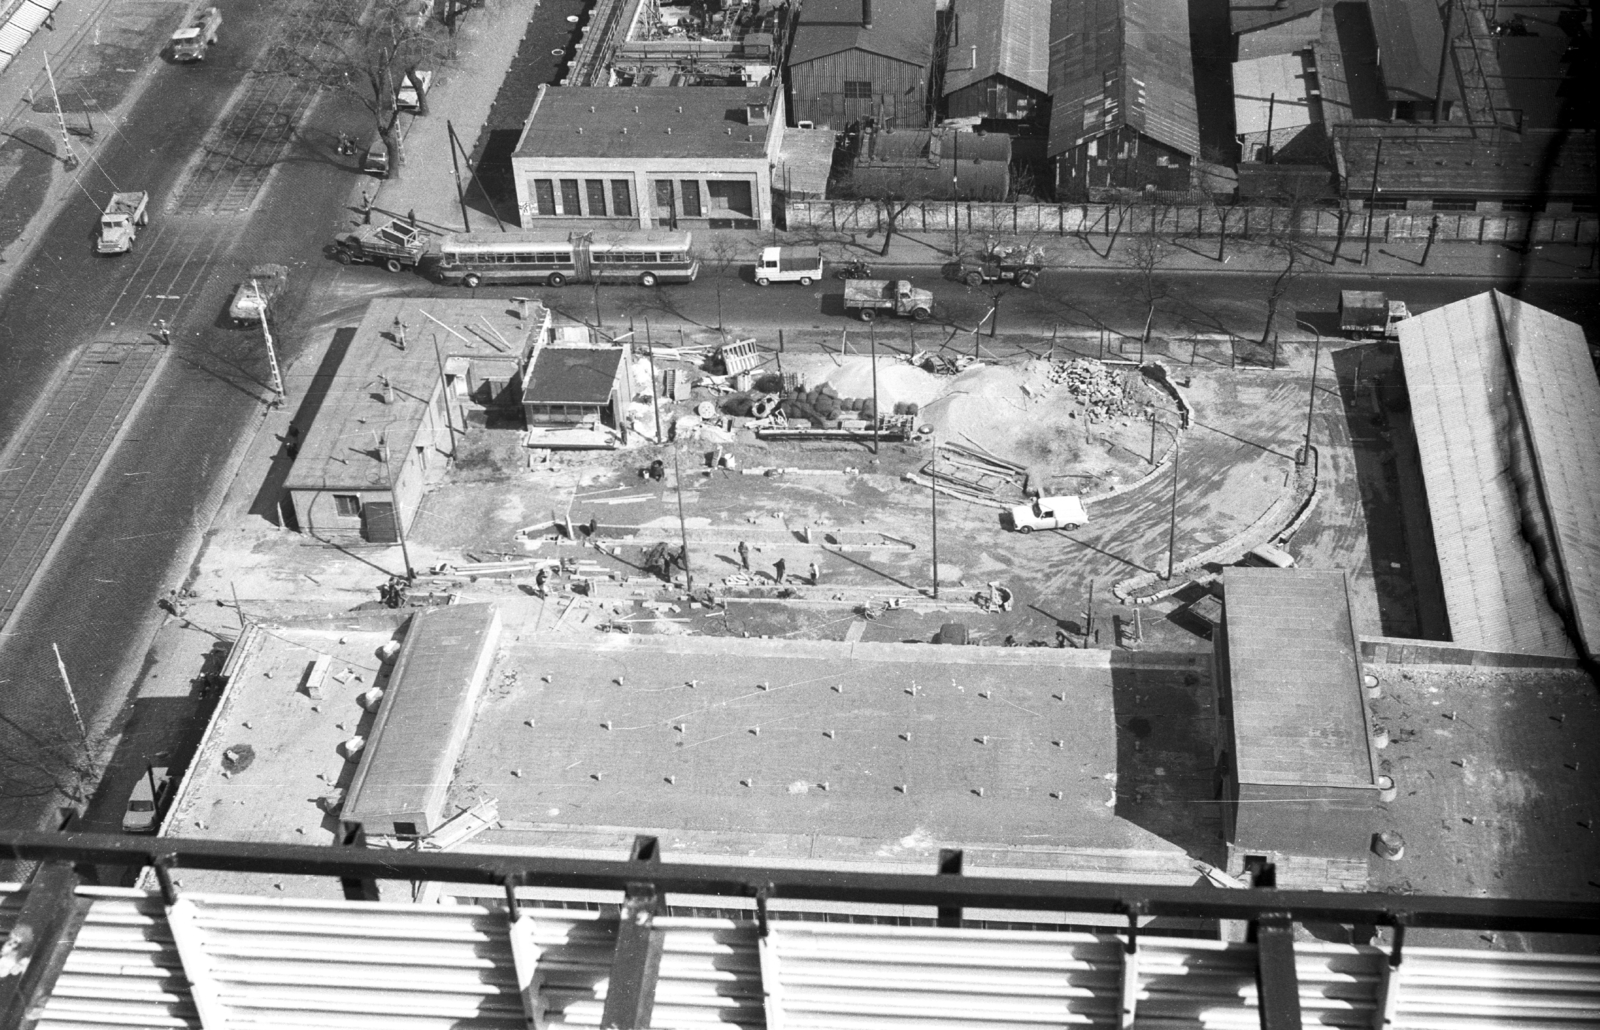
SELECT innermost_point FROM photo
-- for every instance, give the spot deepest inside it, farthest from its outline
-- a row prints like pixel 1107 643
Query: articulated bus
pixel 555 257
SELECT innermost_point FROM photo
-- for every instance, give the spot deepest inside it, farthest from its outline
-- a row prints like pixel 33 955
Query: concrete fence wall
pixel 1170 220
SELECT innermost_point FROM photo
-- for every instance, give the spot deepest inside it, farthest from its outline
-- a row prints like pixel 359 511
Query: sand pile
pixel 898 382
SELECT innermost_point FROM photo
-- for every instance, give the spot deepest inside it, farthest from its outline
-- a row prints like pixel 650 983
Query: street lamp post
pixel 1311 405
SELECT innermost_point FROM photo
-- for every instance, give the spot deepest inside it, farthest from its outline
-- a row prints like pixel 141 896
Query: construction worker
pixel 164 331
pixel 816 573
pixel 367 201
pixel 744 556
pixel 780 566
pixel 540 578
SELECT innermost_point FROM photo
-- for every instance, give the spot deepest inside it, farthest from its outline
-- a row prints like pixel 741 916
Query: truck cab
pixel 1049 513
pixel 189 43
pixel 120 222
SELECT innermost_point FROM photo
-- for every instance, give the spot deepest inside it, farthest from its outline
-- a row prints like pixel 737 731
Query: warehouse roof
pixel 1251 15
pixel 899 29
pixel 710 122
pixel 1117 63
pixel 1270 91
pixel 1471 368
pixel 1410 37
pixel 1294 676
pixel 573 375
pixel 1421 160
pixel 1009 37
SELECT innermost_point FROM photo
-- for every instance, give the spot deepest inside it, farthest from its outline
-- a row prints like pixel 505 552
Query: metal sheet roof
pixel 573 375
pixel 901 29
pixel 1252 15
pixel 422 722
pixel 1457 376
pixel 1010 37
pixel 1270 90
pixel 1294 675
pixel 1419 160
pixel 1410 37
pixel 1122 62
pixel 1560 397
pixel 804 162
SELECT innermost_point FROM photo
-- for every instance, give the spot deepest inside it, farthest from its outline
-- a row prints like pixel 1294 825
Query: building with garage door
pixel 646 157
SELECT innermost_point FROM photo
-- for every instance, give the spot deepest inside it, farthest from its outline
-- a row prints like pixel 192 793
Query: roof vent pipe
pixel 866 14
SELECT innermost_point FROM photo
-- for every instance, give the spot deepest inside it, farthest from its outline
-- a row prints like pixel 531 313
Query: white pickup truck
pixel 189 43
pixel 1049 513
pixel 120 221
pixel 801 265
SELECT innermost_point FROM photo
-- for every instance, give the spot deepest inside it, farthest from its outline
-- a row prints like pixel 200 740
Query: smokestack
pixel 866 14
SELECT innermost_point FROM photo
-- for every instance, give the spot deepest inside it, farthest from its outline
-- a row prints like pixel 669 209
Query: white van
pixel 1049 513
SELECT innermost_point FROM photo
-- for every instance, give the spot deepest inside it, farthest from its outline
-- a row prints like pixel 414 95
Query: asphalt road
pixel 98 599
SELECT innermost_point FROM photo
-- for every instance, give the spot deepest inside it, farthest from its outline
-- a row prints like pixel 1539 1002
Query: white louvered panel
pixel 1338 983
pixel 846 976
pixel 710 975
pixel 573 964
pixel 123 971
pixel 286 963
pixel 1480 990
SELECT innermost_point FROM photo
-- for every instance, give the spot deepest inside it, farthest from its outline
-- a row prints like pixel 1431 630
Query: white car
pixel 405 98
pixel 1049 513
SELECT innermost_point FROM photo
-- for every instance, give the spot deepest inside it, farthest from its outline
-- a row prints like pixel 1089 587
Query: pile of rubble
pixel 1100 389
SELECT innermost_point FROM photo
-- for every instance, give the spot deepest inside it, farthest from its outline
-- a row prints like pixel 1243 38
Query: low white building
pixel 698 157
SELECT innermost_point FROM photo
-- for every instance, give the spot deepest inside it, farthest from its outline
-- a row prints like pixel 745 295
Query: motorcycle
pixel 853 270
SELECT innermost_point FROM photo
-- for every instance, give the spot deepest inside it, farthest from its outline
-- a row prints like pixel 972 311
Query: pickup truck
pixel 120 221
pixel 1049 513
pixel 394 245
pixel 866 297
pixel 801 265
pixel 189 43
pixel 1370 315
pixel 259 289
pixel 989 270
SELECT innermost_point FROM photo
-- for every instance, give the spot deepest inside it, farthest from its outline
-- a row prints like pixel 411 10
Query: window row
pixel 547 191
pixel 674 198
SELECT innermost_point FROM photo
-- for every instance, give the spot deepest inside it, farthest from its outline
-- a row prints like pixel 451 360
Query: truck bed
pixel 866 291
pixel 125 203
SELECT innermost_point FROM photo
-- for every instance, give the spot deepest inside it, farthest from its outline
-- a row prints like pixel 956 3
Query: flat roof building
pixel 1298 774
pixel 644 157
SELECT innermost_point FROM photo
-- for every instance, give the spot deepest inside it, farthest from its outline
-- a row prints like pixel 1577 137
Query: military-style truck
pixel 394 245
pixel 120 221
pixel 189 43
pixel 864 298
pixel 999 263
pixel 801 265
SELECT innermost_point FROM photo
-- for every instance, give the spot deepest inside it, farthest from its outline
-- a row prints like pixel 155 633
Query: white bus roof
pixel 521 239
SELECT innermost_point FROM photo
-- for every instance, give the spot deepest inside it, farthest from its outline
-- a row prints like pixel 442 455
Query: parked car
pixel 1049 513
pixel 375 159
pixel 406 98
pixel 260 288
pixel 148 801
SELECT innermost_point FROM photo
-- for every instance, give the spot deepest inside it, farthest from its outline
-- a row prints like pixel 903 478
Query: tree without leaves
pixel 366 49
pixel 888 195
pixel 53 763
pixel 720 258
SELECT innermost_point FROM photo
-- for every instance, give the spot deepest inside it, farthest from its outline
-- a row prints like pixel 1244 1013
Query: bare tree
pixel 889 194
pixel 54 764
pixel 720 258
pixel 366 49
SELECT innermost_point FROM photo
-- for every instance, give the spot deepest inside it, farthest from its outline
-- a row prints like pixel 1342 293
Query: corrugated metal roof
pixel 1122 62
pixel 573 375
pixel 427 709
pixel 1294 676
pixel 1010 37
pixel 1560 396
pixel 901 29
pixel 1251 15
pixel 1457 376
pixel 1417 160
pixel 1410 39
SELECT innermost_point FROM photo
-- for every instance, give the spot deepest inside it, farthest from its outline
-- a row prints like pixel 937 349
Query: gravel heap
pixel 1102 390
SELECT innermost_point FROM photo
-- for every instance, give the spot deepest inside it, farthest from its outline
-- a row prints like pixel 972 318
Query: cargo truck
pixel 801 265
pixel 394 245
pixel 189 43
pixel 1370 315
pixel 120 222
pixel 864 298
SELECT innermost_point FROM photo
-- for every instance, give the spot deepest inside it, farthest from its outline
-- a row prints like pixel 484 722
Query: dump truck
pixel 394 245
pixel 864 298
pixel 801 265
pixel 1370 315
pixel 260 288
pixel 120 221
pixel 189 43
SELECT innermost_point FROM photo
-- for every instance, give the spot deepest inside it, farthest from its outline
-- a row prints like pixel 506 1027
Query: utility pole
pixel 655 401
pixel 450 423
pixel 272 352
pixel 1444 62
pixel 683 530
pixel 1372 199
pixel 70 161
pixel 72 699
pixel 399 513
pixel 933 496
pixel 455 164
pixel 1172 525
pixel 1311 405
pixel 872 328
pixel 955 212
